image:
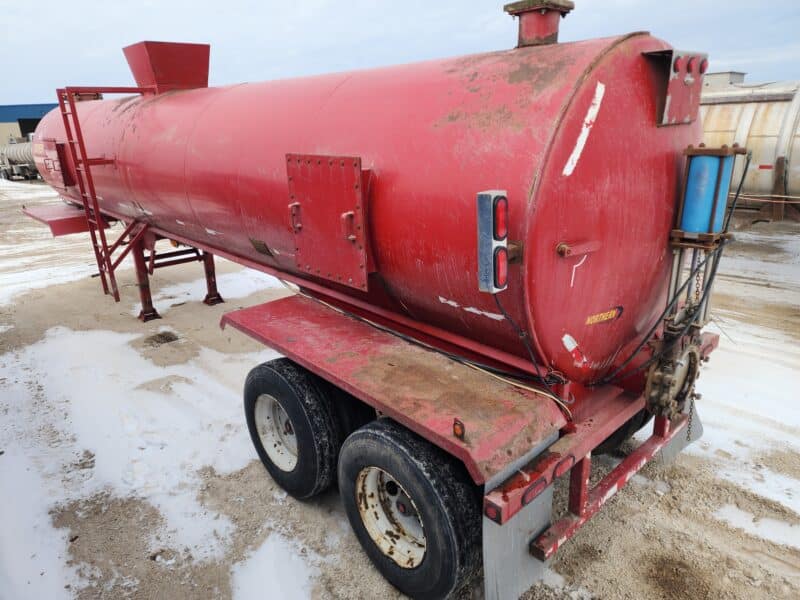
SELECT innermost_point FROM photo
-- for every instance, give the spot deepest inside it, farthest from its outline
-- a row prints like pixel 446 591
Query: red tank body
pixel 569 131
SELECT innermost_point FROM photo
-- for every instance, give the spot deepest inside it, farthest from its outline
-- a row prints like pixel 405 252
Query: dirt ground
pixel 656 539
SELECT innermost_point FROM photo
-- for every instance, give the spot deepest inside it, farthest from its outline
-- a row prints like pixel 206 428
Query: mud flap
pixel 509 570
pixel 693 433
pixel 508 567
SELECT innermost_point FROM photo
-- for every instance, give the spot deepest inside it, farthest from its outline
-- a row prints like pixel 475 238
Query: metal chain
pixel 689 424
pixel 697 287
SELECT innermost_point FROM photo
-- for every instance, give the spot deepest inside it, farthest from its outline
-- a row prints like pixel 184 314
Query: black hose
pixel 523 336
pixel 683 332
pixel 738 192
pixel 670 305
pixel 716 254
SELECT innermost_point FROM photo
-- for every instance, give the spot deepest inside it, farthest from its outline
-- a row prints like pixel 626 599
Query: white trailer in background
pixel 765 118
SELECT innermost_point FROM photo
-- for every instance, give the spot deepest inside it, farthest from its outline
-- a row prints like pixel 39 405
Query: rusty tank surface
pixel 556 125
pixel 489 253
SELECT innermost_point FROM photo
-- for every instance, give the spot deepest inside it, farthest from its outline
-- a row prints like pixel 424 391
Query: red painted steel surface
pixel 421 389
pixel 548 543
pixel 612 410
pixel 62 219
pixel 685 88
pixel 166 66
pixel 567 129
pixel 443 339
pixel 327 216
pixel 597 413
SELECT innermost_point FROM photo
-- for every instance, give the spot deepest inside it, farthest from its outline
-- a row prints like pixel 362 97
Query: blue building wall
pixel 10 113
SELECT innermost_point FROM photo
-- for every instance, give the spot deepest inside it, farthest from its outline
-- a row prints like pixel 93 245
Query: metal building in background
pixel 17 123
pixel 765 118
pixel 19 120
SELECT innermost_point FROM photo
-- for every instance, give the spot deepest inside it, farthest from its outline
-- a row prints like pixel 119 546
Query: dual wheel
pixel 412 507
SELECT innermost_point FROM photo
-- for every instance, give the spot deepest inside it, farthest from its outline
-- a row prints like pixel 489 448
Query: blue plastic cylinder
pixel 699 197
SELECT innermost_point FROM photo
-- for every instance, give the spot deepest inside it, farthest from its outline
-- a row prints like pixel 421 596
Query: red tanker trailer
pixel 489 258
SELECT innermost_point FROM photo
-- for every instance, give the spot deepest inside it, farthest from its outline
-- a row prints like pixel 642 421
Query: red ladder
pixel 106 263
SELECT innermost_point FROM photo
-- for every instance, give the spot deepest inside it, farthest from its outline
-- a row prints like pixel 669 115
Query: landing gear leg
pixel 212 297
pixel 148 312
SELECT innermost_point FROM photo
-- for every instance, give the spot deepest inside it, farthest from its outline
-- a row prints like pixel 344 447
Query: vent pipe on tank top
pixel 538 20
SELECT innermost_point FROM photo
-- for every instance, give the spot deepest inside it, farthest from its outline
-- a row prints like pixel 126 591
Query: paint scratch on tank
pixel 477 311
pixel 588 123
pixel 575 268
pixel 471 309
pixel 571 345
pixel 452 303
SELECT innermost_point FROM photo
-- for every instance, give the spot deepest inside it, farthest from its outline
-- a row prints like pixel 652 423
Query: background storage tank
pixel 16 161
pixel 766 119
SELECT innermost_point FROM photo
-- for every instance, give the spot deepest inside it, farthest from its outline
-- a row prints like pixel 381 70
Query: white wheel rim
pixel 390 517
pixel 276 432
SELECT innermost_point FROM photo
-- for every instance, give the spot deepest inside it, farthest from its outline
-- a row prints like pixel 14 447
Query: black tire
pixel 613 442
pixel 446 500
pixel 307 402
pixel 351 413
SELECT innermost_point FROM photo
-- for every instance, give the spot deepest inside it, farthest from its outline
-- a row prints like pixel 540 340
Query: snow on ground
pixel 30 258
pixel 770 529
pixel 144 428
pixel 278 562
pixel 783 267
pixel 746 409
pixel 231 285
pixel 32 553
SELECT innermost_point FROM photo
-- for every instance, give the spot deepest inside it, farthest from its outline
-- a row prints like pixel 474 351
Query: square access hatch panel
pixel 327 214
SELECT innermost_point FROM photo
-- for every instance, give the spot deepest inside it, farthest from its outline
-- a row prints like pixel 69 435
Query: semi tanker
pixel 766 118
pixel 16 161
pixel 490 257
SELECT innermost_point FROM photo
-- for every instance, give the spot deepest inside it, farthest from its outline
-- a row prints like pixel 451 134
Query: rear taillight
pixel 492 241
pixel 501 268
pixel 500 218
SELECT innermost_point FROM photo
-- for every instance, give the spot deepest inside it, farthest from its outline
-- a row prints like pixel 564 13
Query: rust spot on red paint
pixel 486 120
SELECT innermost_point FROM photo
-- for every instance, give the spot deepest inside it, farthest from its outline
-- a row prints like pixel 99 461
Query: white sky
pixel 50 43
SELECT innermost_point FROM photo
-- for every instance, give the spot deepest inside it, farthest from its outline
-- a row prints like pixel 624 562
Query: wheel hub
pixel 390 517
pixel 276 432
